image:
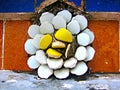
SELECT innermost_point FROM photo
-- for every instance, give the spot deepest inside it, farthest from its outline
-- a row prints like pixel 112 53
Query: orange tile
pixel 15 58
pixel 1 29
pixel 106 44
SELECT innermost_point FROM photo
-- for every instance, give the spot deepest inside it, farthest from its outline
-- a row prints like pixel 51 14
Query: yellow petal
pixel 53 53
pixel 45 41
pixel 63 35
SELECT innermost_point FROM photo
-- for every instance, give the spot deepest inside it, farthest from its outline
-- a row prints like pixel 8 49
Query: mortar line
pixel 3 39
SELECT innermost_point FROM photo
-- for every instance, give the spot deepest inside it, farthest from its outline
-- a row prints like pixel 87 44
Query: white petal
pixel 91 52
pixel 59 22
pixel 29 48
pixel 33 63
pixel 83 39
pixel 41 57
pixel 36 40
pixel 61 73
pixel 70 63
pixel 73 27
pixel 91 35
pixel 82 21
pixel 66 14
pixel 44 71
pixel 80 69
pixel 46 28
pixel 55 63
pixel 33 30
pixel 46 16
pixel 81 53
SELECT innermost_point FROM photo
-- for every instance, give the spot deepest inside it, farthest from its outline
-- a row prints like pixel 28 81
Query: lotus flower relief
pixel 60 46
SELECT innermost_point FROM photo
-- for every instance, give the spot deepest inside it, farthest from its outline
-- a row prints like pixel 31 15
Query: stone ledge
pixel 10 80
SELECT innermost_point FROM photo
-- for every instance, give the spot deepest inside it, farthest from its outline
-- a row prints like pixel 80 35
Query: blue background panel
pixel 28 5
pixel 16 5
pixel 103 5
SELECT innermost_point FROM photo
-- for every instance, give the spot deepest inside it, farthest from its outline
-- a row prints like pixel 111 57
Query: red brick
pixel 1 29
pixel 15 57
pixel 106 44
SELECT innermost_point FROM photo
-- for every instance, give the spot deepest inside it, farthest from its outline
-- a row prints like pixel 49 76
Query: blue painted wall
pixel 28 5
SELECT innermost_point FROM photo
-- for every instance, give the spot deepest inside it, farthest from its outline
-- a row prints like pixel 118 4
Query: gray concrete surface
pixel 10 80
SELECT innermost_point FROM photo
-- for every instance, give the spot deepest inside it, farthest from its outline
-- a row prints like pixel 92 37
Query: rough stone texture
pixel 10 80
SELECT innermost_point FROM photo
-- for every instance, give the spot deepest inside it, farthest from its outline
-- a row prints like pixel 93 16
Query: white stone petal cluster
pixel 77 27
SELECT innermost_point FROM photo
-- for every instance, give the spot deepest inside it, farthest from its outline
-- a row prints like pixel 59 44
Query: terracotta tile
pixel 1 29
pixel 106 44
pixel 15 57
